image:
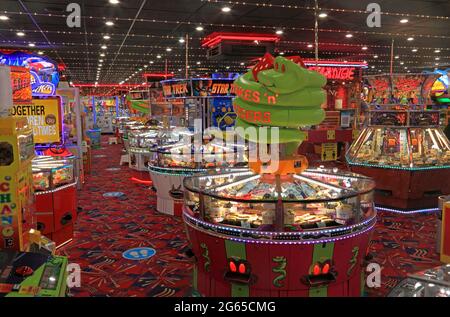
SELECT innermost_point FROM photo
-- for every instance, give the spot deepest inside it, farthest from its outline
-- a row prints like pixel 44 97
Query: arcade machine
pixel 403 148
pixel 173 162
pixel 440 96
pixel 279 228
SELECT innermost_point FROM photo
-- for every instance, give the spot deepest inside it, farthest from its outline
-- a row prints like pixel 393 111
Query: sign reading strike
pixel 44 117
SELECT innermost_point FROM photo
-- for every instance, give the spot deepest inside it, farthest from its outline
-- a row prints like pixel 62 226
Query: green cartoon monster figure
pixel 280 92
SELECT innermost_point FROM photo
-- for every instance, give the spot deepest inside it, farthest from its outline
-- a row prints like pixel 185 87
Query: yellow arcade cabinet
pixel 16 182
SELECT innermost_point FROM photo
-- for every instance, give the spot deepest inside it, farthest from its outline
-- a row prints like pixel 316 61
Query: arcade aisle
pixel 107 227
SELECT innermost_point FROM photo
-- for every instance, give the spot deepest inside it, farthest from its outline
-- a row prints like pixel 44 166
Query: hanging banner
pixel 44 116
pixel 198 87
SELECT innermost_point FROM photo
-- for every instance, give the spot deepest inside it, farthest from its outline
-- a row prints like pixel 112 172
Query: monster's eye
pixel 316 269
pixel 242 268
pixel 233 267
pixel 276 66
pixel 326 268
pixel 283 68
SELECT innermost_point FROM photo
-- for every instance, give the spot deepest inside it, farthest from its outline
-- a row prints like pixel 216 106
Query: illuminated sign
pixel 338 73
pixel 21 84
pixel 198 87
pixel 44 117
pixel 44 72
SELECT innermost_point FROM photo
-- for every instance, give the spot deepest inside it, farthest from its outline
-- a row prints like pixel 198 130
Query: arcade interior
pixel 208 148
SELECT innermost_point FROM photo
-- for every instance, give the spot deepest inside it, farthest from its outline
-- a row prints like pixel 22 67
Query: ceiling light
pixel 404 21
pixel 322 15
pixel 348 35
pixel 140 69
pixel 151 62
pixel 198 63
pixel 104 47
pixel 109 23
pixel 158 56
pixel 242 64
pixel 437 64
pixel 106 37
pixel 437 58
pixel 145 66
pixel 199 28
pixel 228 67
pixel 410 39
pixel 226 9
pixel 401 63
pixel 179 69
pixel 364 48
pixel 279 32
pixel 31 45
pixel 100 60
pixel 310 45
pixel 181 40
pixel 114 1
pixel 102 55
pixel 41 53
pixel 20 34
pixel 168 49
pixel 437 51
pixel 406 67
pixel 4 17
pixel 375 56
pixel 397 57
pixel 372 67
pixel 100 65
pixel 414 50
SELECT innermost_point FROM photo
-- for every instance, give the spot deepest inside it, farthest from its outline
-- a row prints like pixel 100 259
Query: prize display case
pixel 408 155
pixel 295 235
pixel 171 163
pixel 434 282
pixel 56 201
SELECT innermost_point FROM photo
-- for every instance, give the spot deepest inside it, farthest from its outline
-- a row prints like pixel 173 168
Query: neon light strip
pixel 141 181
pixel 319 183
pixel 233 173
pixel 397 167
pixel 242 181
pixel 55 190
pixel 407 211
pixel 202 226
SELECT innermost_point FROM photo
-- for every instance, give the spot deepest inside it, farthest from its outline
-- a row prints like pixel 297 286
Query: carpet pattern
pixel 106 227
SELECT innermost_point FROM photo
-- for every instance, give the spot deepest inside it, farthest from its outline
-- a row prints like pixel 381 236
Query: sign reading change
pixel 44 117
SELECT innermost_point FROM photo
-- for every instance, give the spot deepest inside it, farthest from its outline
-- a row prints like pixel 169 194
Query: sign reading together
pixel 44 117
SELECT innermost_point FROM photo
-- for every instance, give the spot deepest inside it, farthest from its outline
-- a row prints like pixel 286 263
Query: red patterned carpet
pixel 106 227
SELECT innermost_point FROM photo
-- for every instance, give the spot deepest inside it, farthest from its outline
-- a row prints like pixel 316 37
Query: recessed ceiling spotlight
pixel 198 63
pixel 41 53
pixel 100 60
pixel 375 56
pixel 372 67
pixel 410 39
pixel 20 34
pixel 145 66
pixel 437 58
pixel 109 23
pixel 310 45
pixel 414 50
pixel 406 67
pixel 401 63
pixel 179 69
pixel 404 21
pixel 114 1
pixel 181 40
pixel 242 64
pixel 140 69
pixel 102 55
pixel 322 15
pixel 437 51
pixel 228 67
pixel 397 57
pixel 4 17
pixel 364 48
pixel 437 64
pixel 106 37
pixel 168 49
pixel 199 28
pixel 104 47
pixel 348 35
pixel 31 45
pixel 281 53
pixel 226 9
pixel 151 62
pixel 279 32
pixel 158 56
